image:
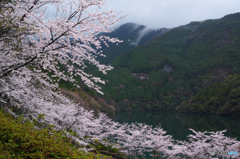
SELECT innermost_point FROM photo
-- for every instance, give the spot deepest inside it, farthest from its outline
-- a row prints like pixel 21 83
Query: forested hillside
pixel 175 66
pixel 218 98
pixel 132 35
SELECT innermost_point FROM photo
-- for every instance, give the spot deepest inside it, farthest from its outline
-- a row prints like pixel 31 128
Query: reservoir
pixel 178 124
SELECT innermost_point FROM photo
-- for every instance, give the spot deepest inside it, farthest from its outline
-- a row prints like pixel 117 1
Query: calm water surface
pixel 177 124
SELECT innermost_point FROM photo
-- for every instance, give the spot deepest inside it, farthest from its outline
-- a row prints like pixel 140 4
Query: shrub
pixel 20 139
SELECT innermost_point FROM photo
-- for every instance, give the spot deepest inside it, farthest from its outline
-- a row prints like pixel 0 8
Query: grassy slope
pixel 20 139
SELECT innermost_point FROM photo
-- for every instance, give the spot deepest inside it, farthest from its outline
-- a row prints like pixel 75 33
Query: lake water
pixel 178 124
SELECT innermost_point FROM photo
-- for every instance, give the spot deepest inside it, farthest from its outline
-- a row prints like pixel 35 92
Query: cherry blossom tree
pixel 43 42
pixel 206 145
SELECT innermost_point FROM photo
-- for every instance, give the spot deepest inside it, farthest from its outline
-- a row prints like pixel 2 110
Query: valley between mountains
pixel 188 68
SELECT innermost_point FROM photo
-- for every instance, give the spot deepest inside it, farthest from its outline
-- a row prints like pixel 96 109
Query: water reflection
pixel 177 124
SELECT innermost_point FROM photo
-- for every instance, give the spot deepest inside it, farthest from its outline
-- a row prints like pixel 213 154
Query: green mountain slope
pixel 132 35
pixel 219 98
pixel 176 65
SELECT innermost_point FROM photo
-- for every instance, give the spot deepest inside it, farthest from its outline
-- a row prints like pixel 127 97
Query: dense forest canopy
pixel 175 66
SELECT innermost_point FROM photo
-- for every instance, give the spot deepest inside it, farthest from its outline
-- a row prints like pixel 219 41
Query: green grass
pixel 19 138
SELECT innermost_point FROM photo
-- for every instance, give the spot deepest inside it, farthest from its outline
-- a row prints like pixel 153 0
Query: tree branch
pixel 34 3
pixel 17 66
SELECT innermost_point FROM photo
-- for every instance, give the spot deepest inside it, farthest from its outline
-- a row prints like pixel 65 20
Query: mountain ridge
pixel 199 54
pixel 132 35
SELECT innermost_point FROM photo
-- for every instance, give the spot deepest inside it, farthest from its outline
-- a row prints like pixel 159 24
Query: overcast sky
pixel 172 13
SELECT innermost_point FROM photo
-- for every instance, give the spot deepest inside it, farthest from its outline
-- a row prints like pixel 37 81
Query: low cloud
pixel 140 35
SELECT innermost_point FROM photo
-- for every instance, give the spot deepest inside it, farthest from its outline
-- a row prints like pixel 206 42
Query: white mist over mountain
pixel 140 35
